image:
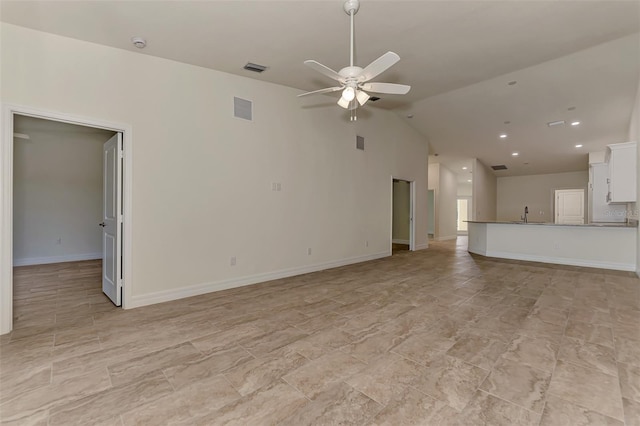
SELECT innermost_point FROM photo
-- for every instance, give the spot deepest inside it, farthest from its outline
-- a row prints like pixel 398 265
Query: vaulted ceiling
pixel 458 56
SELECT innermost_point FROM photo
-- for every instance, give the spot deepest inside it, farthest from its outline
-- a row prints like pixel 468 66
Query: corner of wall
pixel 634 135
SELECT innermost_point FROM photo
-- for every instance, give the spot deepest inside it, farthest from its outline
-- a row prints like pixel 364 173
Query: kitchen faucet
pixel 526 212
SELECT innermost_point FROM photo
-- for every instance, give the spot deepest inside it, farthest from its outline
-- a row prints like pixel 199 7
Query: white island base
pixel 595 246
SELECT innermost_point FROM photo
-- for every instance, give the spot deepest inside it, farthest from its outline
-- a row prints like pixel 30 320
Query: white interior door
pixel 570 206
pixel 112 220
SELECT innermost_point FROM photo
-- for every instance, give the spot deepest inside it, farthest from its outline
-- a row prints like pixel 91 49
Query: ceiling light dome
pixel 348 94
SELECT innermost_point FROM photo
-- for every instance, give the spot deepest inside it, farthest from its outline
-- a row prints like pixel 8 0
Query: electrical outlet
pixel 309 251
pixel 278 186
pixel 541 213
pixel 232 261
pixel 556 245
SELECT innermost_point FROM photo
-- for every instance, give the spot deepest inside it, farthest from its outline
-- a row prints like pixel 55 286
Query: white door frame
pixel 6 195
pixel 412 213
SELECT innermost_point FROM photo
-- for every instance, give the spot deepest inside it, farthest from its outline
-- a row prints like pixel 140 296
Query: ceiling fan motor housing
pixel 351 73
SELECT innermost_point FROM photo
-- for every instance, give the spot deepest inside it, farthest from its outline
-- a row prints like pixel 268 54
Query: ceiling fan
pixel 355 80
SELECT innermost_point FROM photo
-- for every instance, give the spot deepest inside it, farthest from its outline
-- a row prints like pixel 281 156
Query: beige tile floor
pixel 425 338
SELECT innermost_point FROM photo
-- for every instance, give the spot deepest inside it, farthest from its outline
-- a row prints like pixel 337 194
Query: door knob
pixel 102 224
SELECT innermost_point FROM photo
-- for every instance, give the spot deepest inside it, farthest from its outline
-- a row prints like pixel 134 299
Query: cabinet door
pixel 622 173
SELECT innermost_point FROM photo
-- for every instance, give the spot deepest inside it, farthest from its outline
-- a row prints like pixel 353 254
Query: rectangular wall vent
pixel 499 167
pixel 254 67
pixel 360 142
pixel 242 108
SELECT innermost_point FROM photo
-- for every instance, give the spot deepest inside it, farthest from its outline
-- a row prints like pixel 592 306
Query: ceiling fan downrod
pixel 351 7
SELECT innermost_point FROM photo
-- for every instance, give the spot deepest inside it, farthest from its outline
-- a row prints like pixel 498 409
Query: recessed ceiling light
pixel 464 168
pixel 579 145
pixel 512 83
pixel 502 136
pixel 139 42
pixel 575 123
pixel 468 180
pixel 409 115
pixel 571 108
pixel 507 122
pixel 515 154
pixel 555 123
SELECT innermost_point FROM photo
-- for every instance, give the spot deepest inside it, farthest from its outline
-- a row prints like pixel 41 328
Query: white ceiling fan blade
pixel 317 92
pixel 379 66
pixel 390 88
pixel 323 70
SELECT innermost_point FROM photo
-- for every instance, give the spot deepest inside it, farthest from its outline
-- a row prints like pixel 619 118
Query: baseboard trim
pixel 448 237
pixel 422 246
pixel 398 241
pixel 562 261
pixel 56 259
pixel 209 287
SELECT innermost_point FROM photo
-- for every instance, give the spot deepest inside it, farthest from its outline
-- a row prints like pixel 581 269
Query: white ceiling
pixel 457 55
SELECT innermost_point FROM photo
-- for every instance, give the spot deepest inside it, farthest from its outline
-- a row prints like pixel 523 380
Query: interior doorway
pixel 431 213
pixel 10 115
pixel 569 206
pixel 463 214
pixel 402 230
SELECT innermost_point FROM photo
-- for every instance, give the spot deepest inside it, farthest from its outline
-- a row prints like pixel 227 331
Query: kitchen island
pixel 596 245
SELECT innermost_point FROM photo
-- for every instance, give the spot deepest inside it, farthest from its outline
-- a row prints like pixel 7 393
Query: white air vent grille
pixel 242 108
pixel 360 142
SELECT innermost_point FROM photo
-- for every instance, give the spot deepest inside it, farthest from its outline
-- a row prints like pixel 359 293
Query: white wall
pixel 634 135
pixel 57 193
pixel 465 189
pixel 431 209
pixel 202 179
pixel 536 192
pixel 444 183
pixel 484 193
pixel 401 213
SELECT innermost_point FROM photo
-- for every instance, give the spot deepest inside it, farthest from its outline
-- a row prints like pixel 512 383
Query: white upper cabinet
pixel 622 172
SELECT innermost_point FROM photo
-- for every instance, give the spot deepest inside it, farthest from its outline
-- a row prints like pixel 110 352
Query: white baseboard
pixel 56 259
pixel 398 241
pixel 448 237
pixel 198 289
pixel 422 246
pixel 562 261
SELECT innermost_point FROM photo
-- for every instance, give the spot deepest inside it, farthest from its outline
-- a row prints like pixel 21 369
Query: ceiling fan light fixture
pixel 343 103
pixel 348 94
pixel 362 97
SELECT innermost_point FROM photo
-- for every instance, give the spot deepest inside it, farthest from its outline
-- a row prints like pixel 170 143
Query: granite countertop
pixel 597 224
